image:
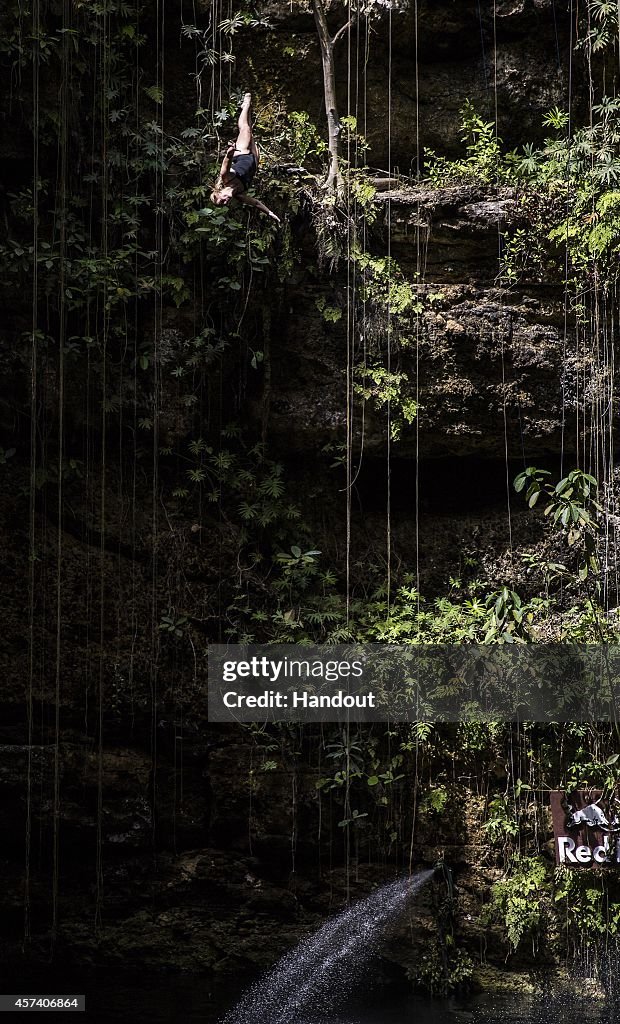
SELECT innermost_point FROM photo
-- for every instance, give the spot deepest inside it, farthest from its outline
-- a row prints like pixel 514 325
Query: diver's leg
pixel 244 138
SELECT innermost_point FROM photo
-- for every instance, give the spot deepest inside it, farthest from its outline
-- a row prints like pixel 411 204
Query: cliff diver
pixel 239 166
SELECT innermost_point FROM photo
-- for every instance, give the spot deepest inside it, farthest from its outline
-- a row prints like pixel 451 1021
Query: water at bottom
pixel 114 995
pixel 477 1010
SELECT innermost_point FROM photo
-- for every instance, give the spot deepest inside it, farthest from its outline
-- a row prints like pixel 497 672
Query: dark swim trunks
pixel 244 166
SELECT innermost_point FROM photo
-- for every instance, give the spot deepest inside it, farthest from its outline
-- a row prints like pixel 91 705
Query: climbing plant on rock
pixel 571 506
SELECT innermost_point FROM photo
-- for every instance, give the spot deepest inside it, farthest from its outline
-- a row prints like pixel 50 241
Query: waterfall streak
pixel 315 978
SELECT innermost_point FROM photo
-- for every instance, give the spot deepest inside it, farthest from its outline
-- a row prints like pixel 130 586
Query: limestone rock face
pixel 488 360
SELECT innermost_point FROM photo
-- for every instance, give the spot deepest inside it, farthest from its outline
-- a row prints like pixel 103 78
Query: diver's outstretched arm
pixel 252 201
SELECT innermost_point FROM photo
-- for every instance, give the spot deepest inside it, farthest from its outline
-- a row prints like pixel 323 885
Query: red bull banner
pixel 586 827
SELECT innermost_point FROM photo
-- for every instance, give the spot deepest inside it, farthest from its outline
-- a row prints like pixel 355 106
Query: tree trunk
pixel 328 45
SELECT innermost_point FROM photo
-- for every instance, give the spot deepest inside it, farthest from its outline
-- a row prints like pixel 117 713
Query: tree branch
pixel 345 28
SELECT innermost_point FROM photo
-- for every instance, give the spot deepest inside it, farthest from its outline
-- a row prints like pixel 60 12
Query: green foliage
pixel 173 624
pixel 484 162
pixel 384 285
pixel 501 824
pixel 442 971
pixel 593 772
pixel 331 314
pixel 571 507
pixel 518 900
pixel 360 768
pixel 602 31
pixel 591 233
pixel 436 800
pixel 508 621
pixel 245 479
pixel 363 194
pixel 303 137
pixel 589 904
pixel 477 737
pixel 571 200
pixel 386 389
pixel 408 619
pixel 390 306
